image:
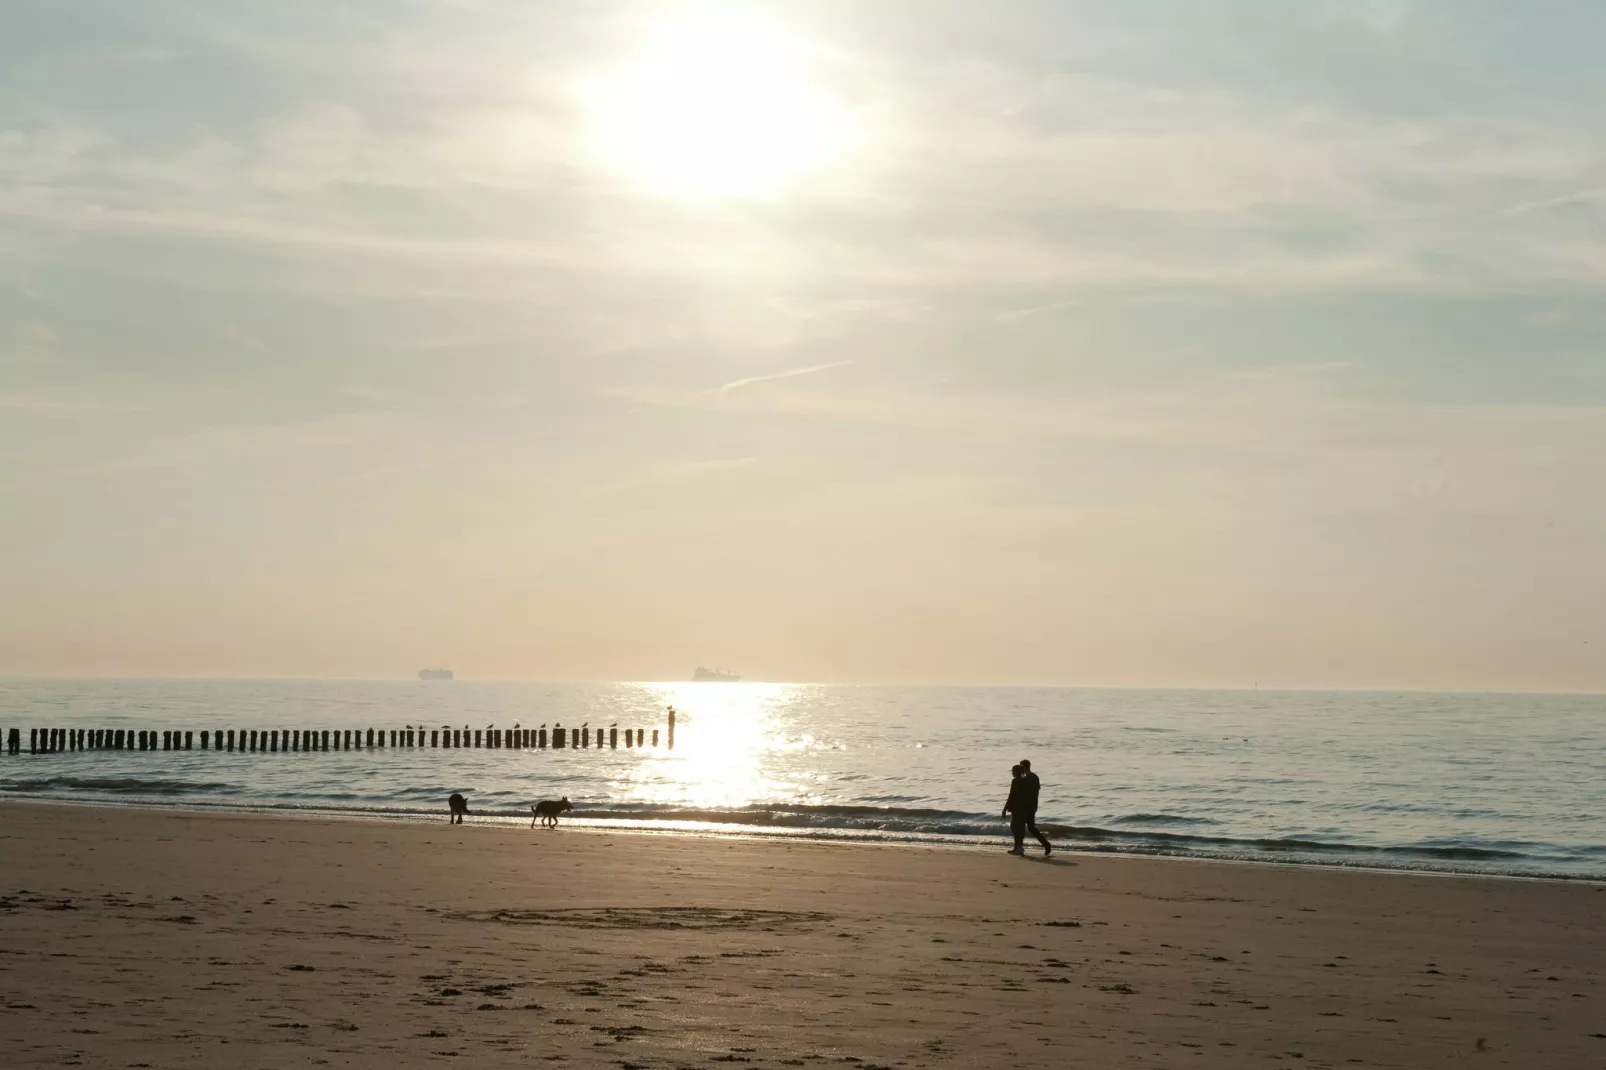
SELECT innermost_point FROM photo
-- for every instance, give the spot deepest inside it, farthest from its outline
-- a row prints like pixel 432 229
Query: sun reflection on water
pixel 726 737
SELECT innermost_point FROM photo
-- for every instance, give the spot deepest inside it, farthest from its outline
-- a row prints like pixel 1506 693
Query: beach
pixel 132 937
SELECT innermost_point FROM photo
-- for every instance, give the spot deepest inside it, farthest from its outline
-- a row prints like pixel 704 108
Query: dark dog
pixel 547 811
pixel 459 807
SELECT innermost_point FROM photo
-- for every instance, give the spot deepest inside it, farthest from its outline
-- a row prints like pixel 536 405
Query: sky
pixel 1059 341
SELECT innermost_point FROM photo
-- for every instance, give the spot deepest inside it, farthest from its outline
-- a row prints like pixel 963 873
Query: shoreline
pixel 164 936
pixel 821 835
pixel 1326 781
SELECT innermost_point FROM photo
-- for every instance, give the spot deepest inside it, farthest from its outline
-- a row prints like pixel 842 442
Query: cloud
pixel 676 473
pixel 1020 172
pixel 23 403
pixel 1582 196
pixel 1227 269
pixel 1033 310
pixel 794 373
pixel 36 343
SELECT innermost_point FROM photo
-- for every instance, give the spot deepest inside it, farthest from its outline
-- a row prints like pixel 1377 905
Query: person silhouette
pixel 1009 806
pixel 1021 807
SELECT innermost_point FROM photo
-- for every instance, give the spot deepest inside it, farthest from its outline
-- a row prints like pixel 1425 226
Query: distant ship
pixel 435 674
pixel 715 676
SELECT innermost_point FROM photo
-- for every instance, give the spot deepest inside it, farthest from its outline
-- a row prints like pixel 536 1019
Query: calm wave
pixel 1482 783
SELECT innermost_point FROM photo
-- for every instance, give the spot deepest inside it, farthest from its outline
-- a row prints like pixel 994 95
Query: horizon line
pixel 972 685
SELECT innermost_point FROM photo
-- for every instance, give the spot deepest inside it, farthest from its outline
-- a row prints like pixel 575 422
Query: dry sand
pixel 143 938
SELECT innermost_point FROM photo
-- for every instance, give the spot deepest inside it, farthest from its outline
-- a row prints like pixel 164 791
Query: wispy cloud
pixel 813 369
pixel 1273 288
pixel 1583 196
pixel 674 473
pixel 1021 313
pixel 24 403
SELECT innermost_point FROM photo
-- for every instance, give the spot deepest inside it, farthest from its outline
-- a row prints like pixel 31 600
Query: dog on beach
pixel 459 807
pixel 547 811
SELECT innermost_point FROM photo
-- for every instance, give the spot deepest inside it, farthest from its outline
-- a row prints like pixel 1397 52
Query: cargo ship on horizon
pixel 715 676
pixel 435 674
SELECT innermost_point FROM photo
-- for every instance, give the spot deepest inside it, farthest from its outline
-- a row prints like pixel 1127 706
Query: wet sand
pixel 165 939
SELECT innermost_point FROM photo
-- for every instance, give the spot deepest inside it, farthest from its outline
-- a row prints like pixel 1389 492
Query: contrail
pixel 794 373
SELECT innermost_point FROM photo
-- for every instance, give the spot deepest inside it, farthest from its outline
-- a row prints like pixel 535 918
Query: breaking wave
pixel 130 786
pixel 853 822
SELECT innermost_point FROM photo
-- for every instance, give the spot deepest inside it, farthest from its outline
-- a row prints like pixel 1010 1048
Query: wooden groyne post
pixel 256 741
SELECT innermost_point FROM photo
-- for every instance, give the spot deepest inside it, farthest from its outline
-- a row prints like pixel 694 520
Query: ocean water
pixel 1512 784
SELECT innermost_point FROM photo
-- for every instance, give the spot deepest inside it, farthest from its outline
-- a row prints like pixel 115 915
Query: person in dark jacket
pixel 1021 808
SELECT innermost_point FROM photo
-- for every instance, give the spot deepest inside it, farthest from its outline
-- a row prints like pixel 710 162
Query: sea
pixel 1502 784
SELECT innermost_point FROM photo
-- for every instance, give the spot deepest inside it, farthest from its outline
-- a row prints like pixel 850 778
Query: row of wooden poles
pixel 58 740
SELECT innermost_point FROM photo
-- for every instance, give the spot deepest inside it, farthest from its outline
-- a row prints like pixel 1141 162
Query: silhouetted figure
pixel 547 811
pixel 1022 808
pixel 459 807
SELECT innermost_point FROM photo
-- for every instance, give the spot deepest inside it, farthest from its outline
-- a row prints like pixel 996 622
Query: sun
pixel 717 107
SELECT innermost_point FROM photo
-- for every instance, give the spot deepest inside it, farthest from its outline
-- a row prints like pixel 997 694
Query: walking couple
pixel 1022 808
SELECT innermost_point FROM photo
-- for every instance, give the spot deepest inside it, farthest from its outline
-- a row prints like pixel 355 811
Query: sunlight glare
pixel 717 108
pixel 725 734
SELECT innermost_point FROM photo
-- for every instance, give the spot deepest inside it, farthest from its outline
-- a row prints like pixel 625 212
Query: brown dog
pixel 459 807
pixel 547 811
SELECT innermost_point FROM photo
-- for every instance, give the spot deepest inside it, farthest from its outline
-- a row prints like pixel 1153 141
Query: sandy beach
pixel 169 939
